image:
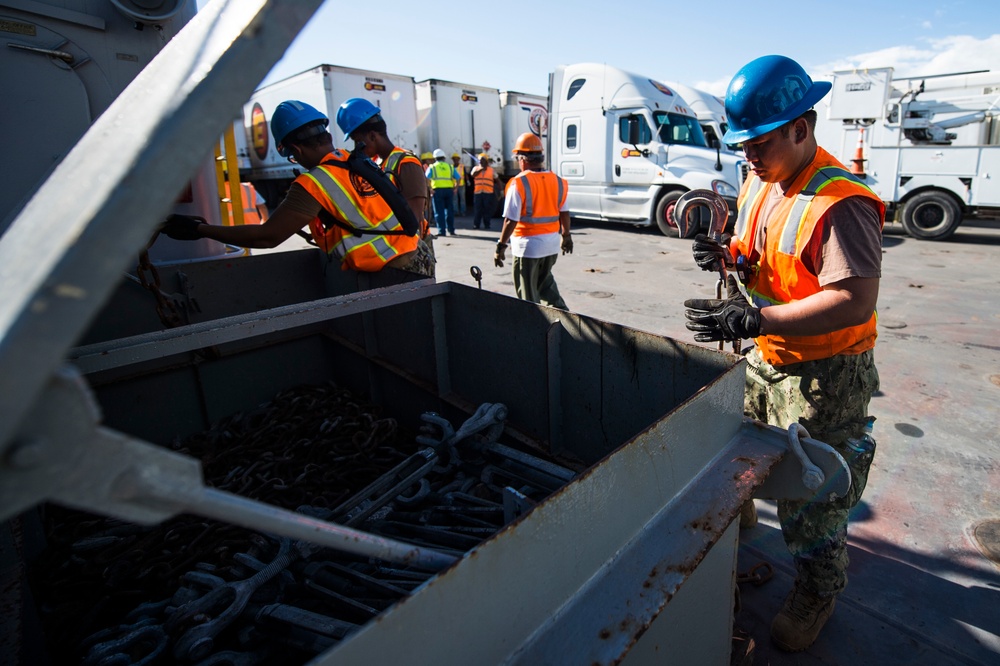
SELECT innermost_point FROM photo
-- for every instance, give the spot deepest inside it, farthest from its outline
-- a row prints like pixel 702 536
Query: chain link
pixel 165 307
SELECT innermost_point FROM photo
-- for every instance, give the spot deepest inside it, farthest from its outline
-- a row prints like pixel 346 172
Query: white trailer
pixel 325 87
pixel 521 113
pixel 460 118
pixel 630 146
pixel 930 146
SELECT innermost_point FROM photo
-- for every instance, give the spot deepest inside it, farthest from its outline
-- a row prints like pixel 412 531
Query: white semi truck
pixel 711 112
pixel 630 146
pixel 325 87
pixel 929 146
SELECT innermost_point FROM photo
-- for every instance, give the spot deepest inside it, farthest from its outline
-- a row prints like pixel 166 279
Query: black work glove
pixel 708 253
pixel 730 319
pixel 182 227
pixel 498 256
pixel 567 244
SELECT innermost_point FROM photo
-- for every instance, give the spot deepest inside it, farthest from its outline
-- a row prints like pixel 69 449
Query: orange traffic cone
pixel 858 162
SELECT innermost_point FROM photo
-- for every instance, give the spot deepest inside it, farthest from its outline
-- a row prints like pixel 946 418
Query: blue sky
pixel 514 45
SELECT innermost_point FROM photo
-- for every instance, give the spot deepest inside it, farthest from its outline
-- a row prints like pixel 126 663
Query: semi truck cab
pixel 630 146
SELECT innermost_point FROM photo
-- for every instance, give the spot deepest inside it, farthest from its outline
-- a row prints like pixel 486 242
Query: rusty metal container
pixel 633 559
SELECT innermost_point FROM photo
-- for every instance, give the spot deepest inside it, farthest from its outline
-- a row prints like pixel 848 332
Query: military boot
pixel 800 620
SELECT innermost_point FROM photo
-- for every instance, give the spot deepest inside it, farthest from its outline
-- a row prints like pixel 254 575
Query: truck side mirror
pixel 633 132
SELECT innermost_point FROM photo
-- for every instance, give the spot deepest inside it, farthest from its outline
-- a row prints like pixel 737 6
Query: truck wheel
pixel 931 216
pixel 665 215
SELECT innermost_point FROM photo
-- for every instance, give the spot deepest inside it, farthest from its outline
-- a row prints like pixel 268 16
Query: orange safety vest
pixel 392 164
pixel 542 196
pixel 781 276
pixel 352 200
pixel 250 213
pixel 483 180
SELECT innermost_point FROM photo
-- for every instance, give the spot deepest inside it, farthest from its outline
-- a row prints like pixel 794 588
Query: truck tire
pixel 931 216
pixel 664 215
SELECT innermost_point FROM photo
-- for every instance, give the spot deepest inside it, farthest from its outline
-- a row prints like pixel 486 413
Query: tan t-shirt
pixel 849 243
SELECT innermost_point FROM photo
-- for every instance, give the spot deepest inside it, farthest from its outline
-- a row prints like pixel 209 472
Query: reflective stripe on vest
pixel 483 180
pixel 789 242
pixel 442 176
pixel 394 161
pixel 364 253
pixel 539 210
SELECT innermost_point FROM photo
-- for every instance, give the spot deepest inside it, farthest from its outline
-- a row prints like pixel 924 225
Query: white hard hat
pixel 439 154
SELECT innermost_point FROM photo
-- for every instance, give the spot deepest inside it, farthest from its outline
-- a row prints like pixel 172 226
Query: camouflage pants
pixel 829 397
pixel 421 261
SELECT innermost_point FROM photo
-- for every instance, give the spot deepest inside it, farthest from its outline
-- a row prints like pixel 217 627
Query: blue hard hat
pixel 353 113
pixel 290 116
pixel 767 93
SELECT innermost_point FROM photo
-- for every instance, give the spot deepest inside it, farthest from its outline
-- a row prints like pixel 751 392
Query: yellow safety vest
pixel 442 176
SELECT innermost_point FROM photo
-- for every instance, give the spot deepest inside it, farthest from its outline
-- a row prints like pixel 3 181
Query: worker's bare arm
pixel 278 228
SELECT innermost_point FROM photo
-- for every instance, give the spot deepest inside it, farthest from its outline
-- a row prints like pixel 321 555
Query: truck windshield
pixel 677 128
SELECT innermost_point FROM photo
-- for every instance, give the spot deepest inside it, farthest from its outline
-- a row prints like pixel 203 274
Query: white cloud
pixel 960 53
pixel 717 87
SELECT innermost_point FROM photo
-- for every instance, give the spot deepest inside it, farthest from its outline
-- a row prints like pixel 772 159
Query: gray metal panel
pixel 615 535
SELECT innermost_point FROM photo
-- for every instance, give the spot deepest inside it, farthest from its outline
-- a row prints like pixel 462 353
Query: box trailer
pixel 521 113
pixel 325 87
pixel 460 118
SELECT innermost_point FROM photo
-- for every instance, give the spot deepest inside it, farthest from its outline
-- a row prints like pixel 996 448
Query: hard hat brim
pixel 817 92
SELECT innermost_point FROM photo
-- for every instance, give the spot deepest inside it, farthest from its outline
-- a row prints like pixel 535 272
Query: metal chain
pixel 165 307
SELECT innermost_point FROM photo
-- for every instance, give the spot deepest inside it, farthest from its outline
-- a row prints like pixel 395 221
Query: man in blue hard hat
pixel 353 211
pixel 362 122
pixel 807 244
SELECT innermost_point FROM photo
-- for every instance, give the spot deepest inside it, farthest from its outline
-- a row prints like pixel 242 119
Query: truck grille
pixel 744 172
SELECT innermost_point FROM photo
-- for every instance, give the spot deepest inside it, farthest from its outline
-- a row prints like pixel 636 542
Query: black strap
pixel 370 172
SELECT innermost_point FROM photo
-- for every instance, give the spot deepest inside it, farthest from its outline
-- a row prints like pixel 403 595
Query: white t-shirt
pixel 530 247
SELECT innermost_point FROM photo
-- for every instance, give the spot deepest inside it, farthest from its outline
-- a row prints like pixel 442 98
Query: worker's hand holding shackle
pixel 498 256
pixel 732 318
pixel 710 254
